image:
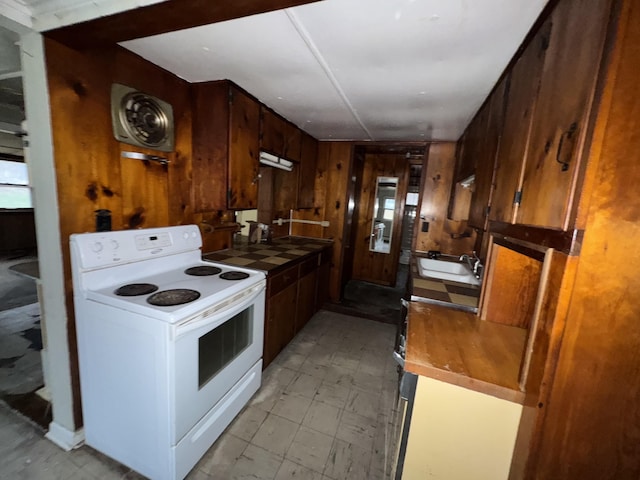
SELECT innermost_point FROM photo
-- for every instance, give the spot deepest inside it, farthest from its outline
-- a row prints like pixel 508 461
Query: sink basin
pixel 445 270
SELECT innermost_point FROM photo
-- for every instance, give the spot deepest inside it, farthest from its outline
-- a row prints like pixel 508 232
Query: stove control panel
pixel 145 242
pixel 95 250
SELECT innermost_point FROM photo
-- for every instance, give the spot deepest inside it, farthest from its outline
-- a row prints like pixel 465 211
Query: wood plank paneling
pixel 566 89
pixel 368 265
pixel 510 293
pixel 524 81
pixel 592 428
pixel 447 236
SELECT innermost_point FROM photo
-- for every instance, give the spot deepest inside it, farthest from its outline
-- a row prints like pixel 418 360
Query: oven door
pixel 212 351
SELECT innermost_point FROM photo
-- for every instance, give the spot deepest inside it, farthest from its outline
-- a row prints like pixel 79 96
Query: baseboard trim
pixel 64 438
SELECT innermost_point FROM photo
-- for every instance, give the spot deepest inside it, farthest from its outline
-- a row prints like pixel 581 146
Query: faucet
pixel 473 262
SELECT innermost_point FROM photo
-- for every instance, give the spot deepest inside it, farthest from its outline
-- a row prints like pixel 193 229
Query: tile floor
pixel 325 411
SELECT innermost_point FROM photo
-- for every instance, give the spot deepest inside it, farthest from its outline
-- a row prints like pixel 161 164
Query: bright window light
pixel 14 185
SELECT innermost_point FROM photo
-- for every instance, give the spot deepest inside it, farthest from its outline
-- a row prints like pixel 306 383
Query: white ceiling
pixel 399 70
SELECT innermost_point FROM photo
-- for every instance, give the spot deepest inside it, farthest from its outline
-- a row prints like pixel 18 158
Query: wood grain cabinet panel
pixel 490 123
pixel 279 136
pixel 226 126
pixel 520 100
pixel 307 171
pixel 563 106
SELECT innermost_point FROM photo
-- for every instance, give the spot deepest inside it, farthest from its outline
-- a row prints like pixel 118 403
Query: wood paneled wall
pixel 92 175
pixel 447 236
pixel 592 425
pixel 17 231
pixel 333 174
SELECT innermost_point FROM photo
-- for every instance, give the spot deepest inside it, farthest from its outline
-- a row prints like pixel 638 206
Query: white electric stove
pixel 170 346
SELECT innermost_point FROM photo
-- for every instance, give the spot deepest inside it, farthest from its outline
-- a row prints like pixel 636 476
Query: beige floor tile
pixel 290 470
pixel 219 460
pixel 322 417
pixel 363 403
pixel 305 385
pixel 310 367
pixel 329 392
pixel 310 448
pixel 292 407
pixel 256 464
pixel 347 462
pixel 277 374
pixel 247 423
pixel 357 429
pixel 275 434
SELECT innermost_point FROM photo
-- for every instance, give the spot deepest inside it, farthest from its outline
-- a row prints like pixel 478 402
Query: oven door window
pixel 218 347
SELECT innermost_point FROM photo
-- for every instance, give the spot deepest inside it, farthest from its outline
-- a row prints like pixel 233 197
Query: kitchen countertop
pixel 443 292
pixel 269 257
pixel 457 347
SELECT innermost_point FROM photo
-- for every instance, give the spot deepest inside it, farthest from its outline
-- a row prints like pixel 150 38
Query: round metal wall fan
pixel 140 119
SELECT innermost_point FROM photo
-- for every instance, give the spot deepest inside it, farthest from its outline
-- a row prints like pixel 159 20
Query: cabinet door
pixel 293 143
pixel 210 134
pixel 244 146
pixel 285 191
pixel 491 121
pixel 566 90
pixel 324 275
pixel 306 306
pixel 521 100
pixel 273 132
pixel 307 172
pixel 280 324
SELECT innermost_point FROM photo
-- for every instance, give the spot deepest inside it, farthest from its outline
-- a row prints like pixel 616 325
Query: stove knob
pixel 114 244
pixel 96 247
pixel 185 235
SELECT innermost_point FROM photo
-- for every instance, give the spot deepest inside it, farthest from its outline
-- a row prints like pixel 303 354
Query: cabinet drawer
pixel 309 265
pixel 281 280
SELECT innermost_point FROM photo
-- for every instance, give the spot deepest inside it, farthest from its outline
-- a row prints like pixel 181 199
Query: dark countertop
pixel 269 257
pixel 442 292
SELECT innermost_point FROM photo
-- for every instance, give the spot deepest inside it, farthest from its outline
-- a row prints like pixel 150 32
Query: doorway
pixel 374 281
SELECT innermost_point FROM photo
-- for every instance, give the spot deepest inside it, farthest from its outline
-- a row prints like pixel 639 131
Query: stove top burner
pixel 233 275
pixel 135 289
pixel 176 296
pixel 203 271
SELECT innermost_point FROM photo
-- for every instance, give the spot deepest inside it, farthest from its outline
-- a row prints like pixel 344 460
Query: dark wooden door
pixel 371 266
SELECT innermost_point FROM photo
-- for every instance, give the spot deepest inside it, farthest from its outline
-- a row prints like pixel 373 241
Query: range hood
pixel 275 161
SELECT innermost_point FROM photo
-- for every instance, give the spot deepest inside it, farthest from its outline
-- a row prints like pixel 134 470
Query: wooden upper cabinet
pixel 307 171
pixel 565 97
pixel 482 144
pixel 226 126
pixel 522 93
pixel 279 136
pixel 244 150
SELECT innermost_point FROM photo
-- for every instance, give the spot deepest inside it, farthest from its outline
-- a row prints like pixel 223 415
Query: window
pixel 389 206
pixel 14 185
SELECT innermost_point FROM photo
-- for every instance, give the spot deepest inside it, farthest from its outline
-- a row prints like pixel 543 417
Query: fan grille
pixel 144 118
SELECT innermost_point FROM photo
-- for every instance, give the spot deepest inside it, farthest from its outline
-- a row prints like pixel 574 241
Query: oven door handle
pixel 212 314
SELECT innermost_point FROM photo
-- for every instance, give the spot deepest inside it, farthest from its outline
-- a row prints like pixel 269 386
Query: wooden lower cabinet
pixel 456 434
pixel 307 286
pixel 292 299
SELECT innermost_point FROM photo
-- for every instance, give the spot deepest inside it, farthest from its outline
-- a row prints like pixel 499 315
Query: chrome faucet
pixel 473 262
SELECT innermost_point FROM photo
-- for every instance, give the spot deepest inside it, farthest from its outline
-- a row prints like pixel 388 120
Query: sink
pixel 446 270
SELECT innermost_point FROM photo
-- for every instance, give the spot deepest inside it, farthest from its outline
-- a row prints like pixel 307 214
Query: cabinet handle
pixel 569 135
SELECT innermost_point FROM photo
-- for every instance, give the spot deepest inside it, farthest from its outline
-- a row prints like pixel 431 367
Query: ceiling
pixel 380 70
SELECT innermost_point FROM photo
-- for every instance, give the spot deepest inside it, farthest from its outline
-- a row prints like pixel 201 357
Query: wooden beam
pixel 160 18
